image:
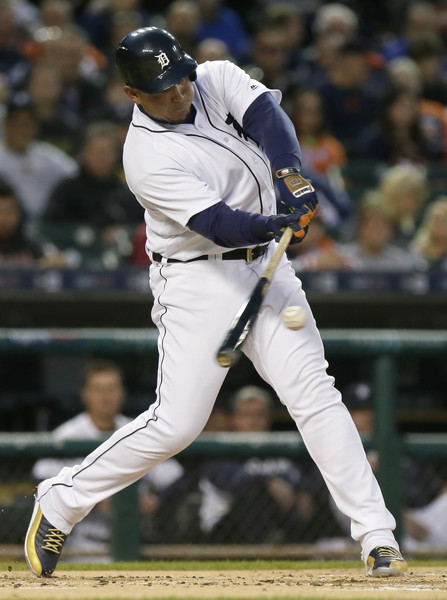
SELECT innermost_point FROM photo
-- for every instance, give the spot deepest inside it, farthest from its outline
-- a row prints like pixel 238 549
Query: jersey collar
pixel 189 119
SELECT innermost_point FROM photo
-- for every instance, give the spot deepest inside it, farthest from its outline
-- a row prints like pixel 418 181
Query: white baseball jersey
pixel 176 171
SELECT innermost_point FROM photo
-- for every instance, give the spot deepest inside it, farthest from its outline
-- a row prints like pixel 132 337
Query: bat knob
pixel 228 358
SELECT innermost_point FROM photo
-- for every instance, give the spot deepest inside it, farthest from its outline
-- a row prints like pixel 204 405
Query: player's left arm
pixel 267 123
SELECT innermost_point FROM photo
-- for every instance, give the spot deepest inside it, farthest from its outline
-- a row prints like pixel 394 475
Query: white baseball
pixel 294 317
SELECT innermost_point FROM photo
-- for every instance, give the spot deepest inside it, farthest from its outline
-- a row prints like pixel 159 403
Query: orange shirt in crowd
pixel 322 153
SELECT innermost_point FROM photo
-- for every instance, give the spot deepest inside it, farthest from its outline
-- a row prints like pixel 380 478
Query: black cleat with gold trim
pixel 43 544
pixel 385 561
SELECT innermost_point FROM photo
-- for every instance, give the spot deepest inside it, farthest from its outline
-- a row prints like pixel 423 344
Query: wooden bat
pixel 230 350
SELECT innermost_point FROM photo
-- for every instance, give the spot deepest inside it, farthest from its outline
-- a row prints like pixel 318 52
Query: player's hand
pixel 276 224
pixel 296 194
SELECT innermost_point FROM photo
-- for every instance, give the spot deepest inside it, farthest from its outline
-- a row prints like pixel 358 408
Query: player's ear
pixel 133 94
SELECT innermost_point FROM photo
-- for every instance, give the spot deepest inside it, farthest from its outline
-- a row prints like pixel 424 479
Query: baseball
pixel 294 317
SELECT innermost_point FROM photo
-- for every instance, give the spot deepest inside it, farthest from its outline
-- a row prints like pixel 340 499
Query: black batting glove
pixel 276 224
pixel 297 195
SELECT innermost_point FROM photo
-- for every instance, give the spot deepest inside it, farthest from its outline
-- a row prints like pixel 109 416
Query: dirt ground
pixel 348 584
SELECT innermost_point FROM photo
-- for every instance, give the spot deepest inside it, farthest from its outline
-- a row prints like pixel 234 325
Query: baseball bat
pixel 230 350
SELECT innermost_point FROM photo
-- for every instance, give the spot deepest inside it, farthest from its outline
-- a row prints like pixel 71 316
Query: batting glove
pixel 276 224
pixel 297 195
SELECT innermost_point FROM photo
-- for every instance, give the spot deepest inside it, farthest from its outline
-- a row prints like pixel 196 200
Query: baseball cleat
pixel 43 544
pixel 385 561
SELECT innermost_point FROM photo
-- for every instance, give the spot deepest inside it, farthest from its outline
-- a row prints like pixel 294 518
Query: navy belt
pixel 247 254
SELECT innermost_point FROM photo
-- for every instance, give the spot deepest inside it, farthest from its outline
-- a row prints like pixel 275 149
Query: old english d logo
pixel 163 60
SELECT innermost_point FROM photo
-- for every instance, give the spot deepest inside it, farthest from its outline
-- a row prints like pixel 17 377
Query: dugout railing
pixel 382 347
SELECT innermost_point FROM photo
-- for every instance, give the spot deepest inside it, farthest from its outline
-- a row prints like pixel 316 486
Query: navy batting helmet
pixel 151 60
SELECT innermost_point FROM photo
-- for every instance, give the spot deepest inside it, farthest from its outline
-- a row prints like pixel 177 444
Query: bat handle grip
pixel 280 249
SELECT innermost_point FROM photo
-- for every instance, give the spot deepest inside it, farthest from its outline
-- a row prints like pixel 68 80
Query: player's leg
pixel 192 307
pixel 293 363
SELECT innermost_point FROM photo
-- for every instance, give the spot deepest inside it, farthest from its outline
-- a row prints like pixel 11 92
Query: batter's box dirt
pixel 348 584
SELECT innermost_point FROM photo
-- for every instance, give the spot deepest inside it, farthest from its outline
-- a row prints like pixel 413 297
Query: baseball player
pixel 199 156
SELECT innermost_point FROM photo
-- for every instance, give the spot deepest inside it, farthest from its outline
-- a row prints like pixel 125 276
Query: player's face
pixel 172 105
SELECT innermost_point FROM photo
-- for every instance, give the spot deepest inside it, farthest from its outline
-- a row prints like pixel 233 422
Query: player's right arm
pixel 237 228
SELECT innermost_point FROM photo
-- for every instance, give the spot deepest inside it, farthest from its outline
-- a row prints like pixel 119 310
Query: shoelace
pixel 54 540
pixel 388 551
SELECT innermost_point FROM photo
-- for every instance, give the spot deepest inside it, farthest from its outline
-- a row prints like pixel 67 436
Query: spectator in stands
pixel 425 514
pixel 276 487
pixel 268 63
pixel 80 65
pixel 96 196
pixel 430 241
pixel 372 249
pixel 31 167
pixel 398 134
pixel 116 108
pixel 319 57
pixel 106 23
pixel 221 22
pixel 288 19
pixel 419 18
pixel 350 95
pixel 183 21
pixel 55 13
pixel 26 17
pixel 404 190
pixel 16 247
pixel 56 125
pixel 321 151
pixel 103 395
pixel 332 25
pixel 405 74
pixel 429 53
pixel 13 63
pixel 212 49
pixel 338 18
pixel 319 251
pixel 5 93
pixel 119 23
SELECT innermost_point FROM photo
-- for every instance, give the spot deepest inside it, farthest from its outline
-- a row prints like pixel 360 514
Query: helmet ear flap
pixel 193 76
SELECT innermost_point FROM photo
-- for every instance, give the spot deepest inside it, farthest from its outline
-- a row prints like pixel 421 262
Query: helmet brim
pixel 183 68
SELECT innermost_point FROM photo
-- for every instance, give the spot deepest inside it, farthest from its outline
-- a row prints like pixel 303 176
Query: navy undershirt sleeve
pixel 272 129
pixel 267 123
pixel 230 228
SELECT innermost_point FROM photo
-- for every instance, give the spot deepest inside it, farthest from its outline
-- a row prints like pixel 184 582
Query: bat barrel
pixel 229 352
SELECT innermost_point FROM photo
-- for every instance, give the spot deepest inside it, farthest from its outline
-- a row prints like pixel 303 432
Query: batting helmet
pixel 151 60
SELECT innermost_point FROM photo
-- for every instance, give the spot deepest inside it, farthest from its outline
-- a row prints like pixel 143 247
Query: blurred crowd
pixel 364 83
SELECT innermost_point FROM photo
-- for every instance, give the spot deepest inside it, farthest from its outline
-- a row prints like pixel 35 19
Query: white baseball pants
pixel 194 305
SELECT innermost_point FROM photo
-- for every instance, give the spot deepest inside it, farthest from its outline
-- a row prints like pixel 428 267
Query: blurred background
pixel 365 84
